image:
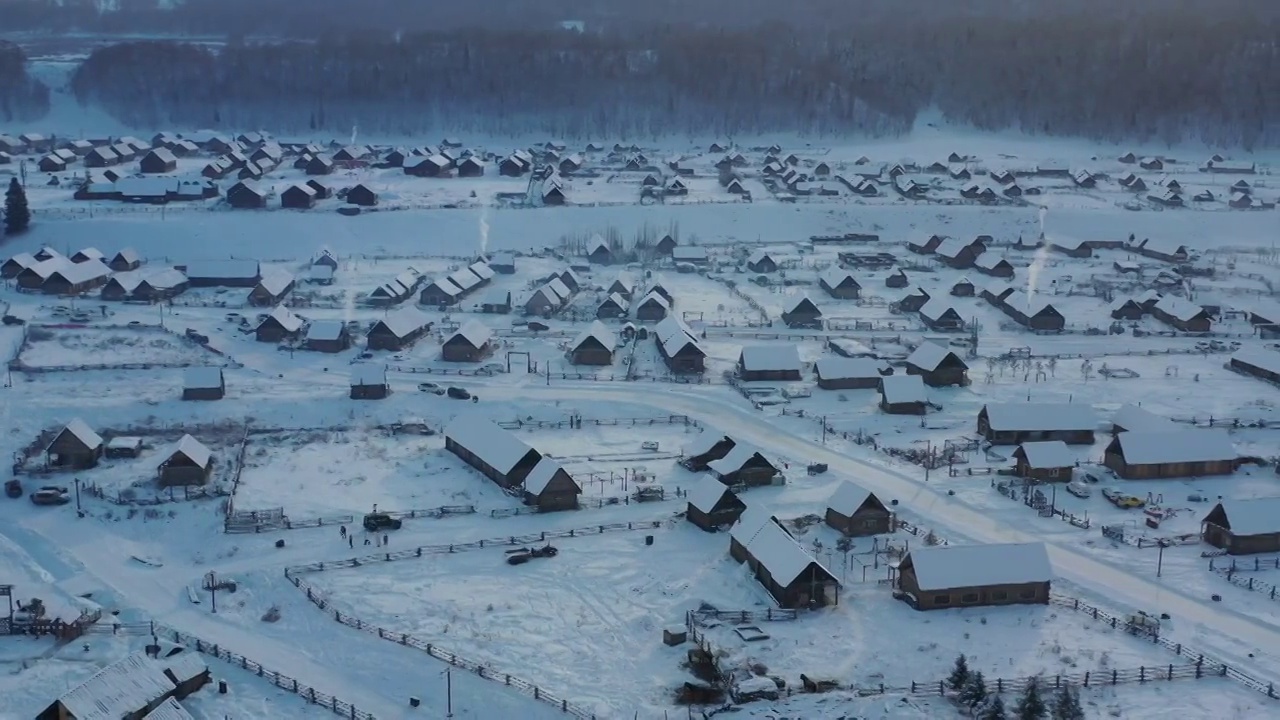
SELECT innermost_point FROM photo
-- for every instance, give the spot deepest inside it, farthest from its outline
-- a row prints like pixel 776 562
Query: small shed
pixel 369 382
pixel 1244 526
pixel 903 395
pixel 1160 454
pixel 769 362
pixel 854 511
pixel 1045 461
pixel 549 487
pixel 190 463
pixel 595 346
pixel 203 383
pixel 712 505
pixel 75 446
pixel 949 576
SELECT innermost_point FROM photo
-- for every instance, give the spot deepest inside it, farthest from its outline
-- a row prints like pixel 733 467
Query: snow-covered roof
pixel 82 272
pixel 946 567
pixel 758 255
pixel 902 389
pixel 473 332
pixel 842 368
pixel 320 272
pixel 1154 447
pixel 989 260
pixel 502 258
pixel 286 317
pixel 952 247
pixel 800 300
pixel 496 296
pixel 847 498
pixel 195 451
pixel 1134 417
pixel 928 356
pixel 653 298
pixel 601 333
pixel 91 253
pixel 202 378
pixel 558 286
pixel 124 442
pixel 1179 308
pixel 1253 516
pixel 703 443
pixel 735 459
pixel 223 269
pixel 85 434
pixel 129 281
pixel 169 710
pixel 464 279
pixel 368 374
pixel 481 270
pixel 325 330
pixel 163 155
pixel 597 243
pixel 1047 454
pixel 706 492
pixel 24 260
pixel 688 253
pixel 118 690
pixel 749 523
pixel 405 321
pixel 541 475
pixel 498 448
pixel 770 357
pixel 835 276
pixel 772 546
pixel 1041 416
pixel 1263 359
pixel 625 282
pixel 45 268
pixel 275 282
pixel 446 286
pixel 936 307
pixel 1029 305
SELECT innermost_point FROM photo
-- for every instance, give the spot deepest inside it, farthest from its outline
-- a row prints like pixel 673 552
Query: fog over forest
pixel 1163 71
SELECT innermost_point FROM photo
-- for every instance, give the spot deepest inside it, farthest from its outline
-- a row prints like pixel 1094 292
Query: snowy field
pixel 60 347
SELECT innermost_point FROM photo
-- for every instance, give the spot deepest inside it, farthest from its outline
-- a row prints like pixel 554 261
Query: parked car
pixel 13 488
pixel 427 387
pixel 13 320
pixel 458 393
pixel 49 496
pixel 376 522
pixel 1079 488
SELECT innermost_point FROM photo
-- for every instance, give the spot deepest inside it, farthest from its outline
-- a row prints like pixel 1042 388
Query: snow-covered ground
pixel 586 625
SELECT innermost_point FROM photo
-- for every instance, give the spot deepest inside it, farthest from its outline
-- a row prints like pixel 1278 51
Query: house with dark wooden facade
pixel 761 261
pixel 1127 309
pixel 222 273
pixel 278 326
pixel 993 265
pixel 190 463
pixel 298 197
pixel 802 313
pixel 951 576
pixel 1262 364
pixel 939 315
pixel 369 382
pixel 595 346
pixel 473 342
pixel 137 687
pixel 76 446
pixel 497 453
pixel 1182 314
pixel 841 373
pixel 1161 454
pixel 397 330
pixel 362 195
pixel 913 301
pixel 743 465
pixel 679 347
pixel 76 278
pixel 903 395
pixel 1044 461
pixel 1244 527
pixel 1033 313
pixel 938 366
pixel 327 336
pixel 786 570
pixel 246 195
pixel 707 448
pixel 549 487
pixel 157 162
pixel 959 253
pixel 272 289
pixel 769 362
pixel 653 307
pixel 854 511
pixel 1017 423
pixel 712 505
pixel 839 283
pixel 496 301
pixel 926 246
pixel 203 383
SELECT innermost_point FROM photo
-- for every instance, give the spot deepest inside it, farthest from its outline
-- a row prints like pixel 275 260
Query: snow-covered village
pixel 951 424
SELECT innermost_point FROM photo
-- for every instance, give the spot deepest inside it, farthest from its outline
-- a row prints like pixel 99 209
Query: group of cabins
pixel 451 289
pixel 78 447
pixel 900 394
pixel 518 469
pixel 554 293
pixel 146 190
pixel 730 461
pixel 1032 311
pixel 397 290
pixel 141 686
pixel 1176 312
pixel 53 273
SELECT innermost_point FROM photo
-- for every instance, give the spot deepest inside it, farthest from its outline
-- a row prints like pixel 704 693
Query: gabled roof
pixel 902 389
pixel 325 329
pixel 835 276
pixel 600 333
pixel 464 279
pixel 473 332
pixel 23 260
pixel 936 307
pixel 702 444
pixel 194 450
pixel 802 302
pixel 496 296
pixel 842 368
pixel 128 281
pixel 1179 308
pixel 286 318
pixel 202 378
pixel 1041 416
pixel 541 475
pixel 848 498
pixel 770 357
pixel 653 298
pixel 760 254
pixel 1253 516
pixel 446 286
pixel 76 273
pixel 276 282
pixel 169 710
pixel 989 261
pixel 945 567
pixel 674 334
pixel 404 322
pixel 1047 454
pixel 119 689
pixel 164 155
pixel 952 247
pixel 735 459
pixel 779 553
pixel 498 448
pixel 364 374
pixel 1134 417
pixel 930 356
pixel 82 432
pixel 1175 446
pixel 750 522
pixel 46 268
pixel 706 493
pixel 481 270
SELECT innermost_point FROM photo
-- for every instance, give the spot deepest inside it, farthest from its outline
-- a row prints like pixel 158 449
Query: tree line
pixel 1173 76
pixel 21 97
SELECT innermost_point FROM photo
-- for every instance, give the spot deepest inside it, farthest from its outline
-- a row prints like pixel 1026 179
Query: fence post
pixel 1115 676
pixel 1142 674
pixel 1170 671
pixel 942 688
pixel 1086 678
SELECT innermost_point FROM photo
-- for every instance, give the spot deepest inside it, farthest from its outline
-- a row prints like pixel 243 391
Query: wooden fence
pixel 1250 583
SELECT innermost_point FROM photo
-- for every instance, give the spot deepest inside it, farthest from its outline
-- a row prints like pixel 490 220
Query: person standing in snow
pixel 385 538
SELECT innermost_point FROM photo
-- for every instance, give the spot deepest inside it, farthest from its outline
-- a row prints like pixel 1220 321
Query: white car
pixel 1079 488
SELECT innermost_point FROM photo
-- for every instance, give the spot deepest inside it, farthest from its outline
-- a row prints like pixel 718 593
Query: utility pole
pixel 78 513
pixel 213 591
pixel 448 692
pixel 1160 559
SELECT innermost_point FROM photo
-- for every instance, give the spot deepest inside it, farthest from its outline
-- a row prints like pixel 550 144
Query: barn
pixel 785 569
pixel 203 383
pixel 853 511
pixel 595 346
pixel 1244 526
pixel 1160 454
pixel 712 505
pixel 839 283
pixel 1262 364
pixel 1045 461
pixel 369 382
pixel 470 343
pixel 190 463
pixel 76 278
pixel 549 487
pixel 802 313
pixel 840 373
pixel 743 465
pixel 397 330
pixel 938 366
pixel 271 289
pixel 280 325
pixel 1016 423
pixel 497 453
pixel 223 273
pixel 75 446
pixel 949 576
pixel 903 395
pixel 328 336
pixel 769 362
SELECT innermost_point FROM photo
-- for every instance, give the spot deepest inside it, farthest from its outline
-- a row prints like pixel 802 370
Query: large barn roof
pixel 1253 516
pixel 1041 416
pixel 847 498
pixel 118 690
pixel 946 567
pixel 498 448
pixel 706 492
pixel 770 357
pixel 1176 446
